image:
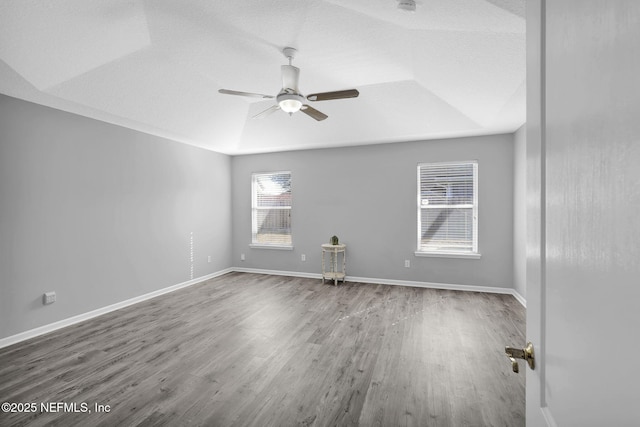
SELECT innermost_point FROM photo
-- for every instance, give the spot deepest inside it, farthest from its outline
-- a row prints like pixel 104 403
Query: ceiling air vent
pixel 407 5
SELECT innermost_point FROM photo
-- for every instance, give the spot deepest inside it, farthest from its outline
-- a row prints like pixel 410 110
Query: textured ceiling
pixel 452 68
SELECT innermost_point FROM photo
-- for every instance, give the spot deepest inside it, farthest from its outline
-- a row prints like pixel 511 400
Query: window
pixel 448 209
pixel 271 209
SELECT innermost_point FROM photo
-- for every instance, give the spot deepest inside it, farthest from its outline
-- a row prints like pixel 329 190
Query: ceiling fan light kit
pixel 290 100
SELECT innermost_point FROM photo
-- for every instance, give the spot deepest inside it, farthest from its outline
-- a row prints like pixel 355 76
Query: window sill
pixel 448 255
pixel 276 247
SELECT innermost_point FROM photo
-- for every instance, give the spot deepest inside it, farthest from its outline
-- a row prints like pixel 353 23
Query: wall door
pixel 583 213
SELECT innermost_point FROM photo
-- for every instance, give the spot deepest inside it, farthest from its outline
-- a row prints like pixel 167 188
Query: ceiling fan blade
pixel 338 94
pixel 248 94
pixel 313 113
pixel 266 112
pixel 290 77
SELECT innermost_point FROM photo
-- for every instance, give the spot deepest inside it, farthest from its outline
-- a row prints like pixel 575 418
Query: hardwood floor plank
pixel 259 350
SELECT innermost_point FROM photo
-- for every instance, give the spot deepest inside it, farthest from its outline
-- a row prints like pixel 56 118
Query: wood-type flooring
pixel 259 350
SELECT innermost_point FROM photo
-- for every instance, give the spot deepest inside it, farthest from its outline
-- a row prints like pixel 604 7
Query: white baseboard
pixel 522 300
pixel 32 333
pixel 278 272
pixel 432 285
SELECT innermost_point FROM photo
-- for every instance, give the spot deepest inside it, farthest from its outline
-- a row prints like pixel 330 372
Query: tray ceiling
pixel 452 68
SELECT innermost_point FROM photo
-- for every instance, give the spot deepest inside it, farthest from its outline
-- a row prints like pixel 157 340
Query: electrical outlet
pixel 209 258
pixel 303 257
pixel 48 298
pixel 241 257
pixel 407 263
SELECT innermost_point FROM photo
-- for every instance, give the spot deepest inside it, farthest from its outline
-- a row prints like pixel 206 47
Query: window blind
pixel 271 208
pixel 447 207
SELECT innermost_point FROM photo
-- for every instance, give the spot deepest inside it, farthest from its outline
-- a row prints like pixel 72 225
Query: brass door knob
pixel 520 353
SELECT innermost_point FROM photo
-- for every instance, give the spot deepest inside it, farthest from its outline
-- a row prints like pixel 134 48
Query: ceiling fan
pixel 290 100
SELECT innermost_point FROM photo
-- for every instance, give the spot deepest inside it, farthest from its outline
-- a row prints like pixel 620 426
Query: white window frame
pixel 254 214
pixel 473 253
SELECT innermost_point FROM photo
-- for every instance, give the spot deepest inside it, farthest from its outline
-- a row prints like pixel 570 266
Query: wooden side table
pixel 334 251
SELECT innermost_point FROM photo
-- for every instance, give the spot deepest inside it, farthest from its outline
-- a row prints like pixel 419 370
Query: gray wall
pixel 520 211
pixel 100 214
pixel 367 197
